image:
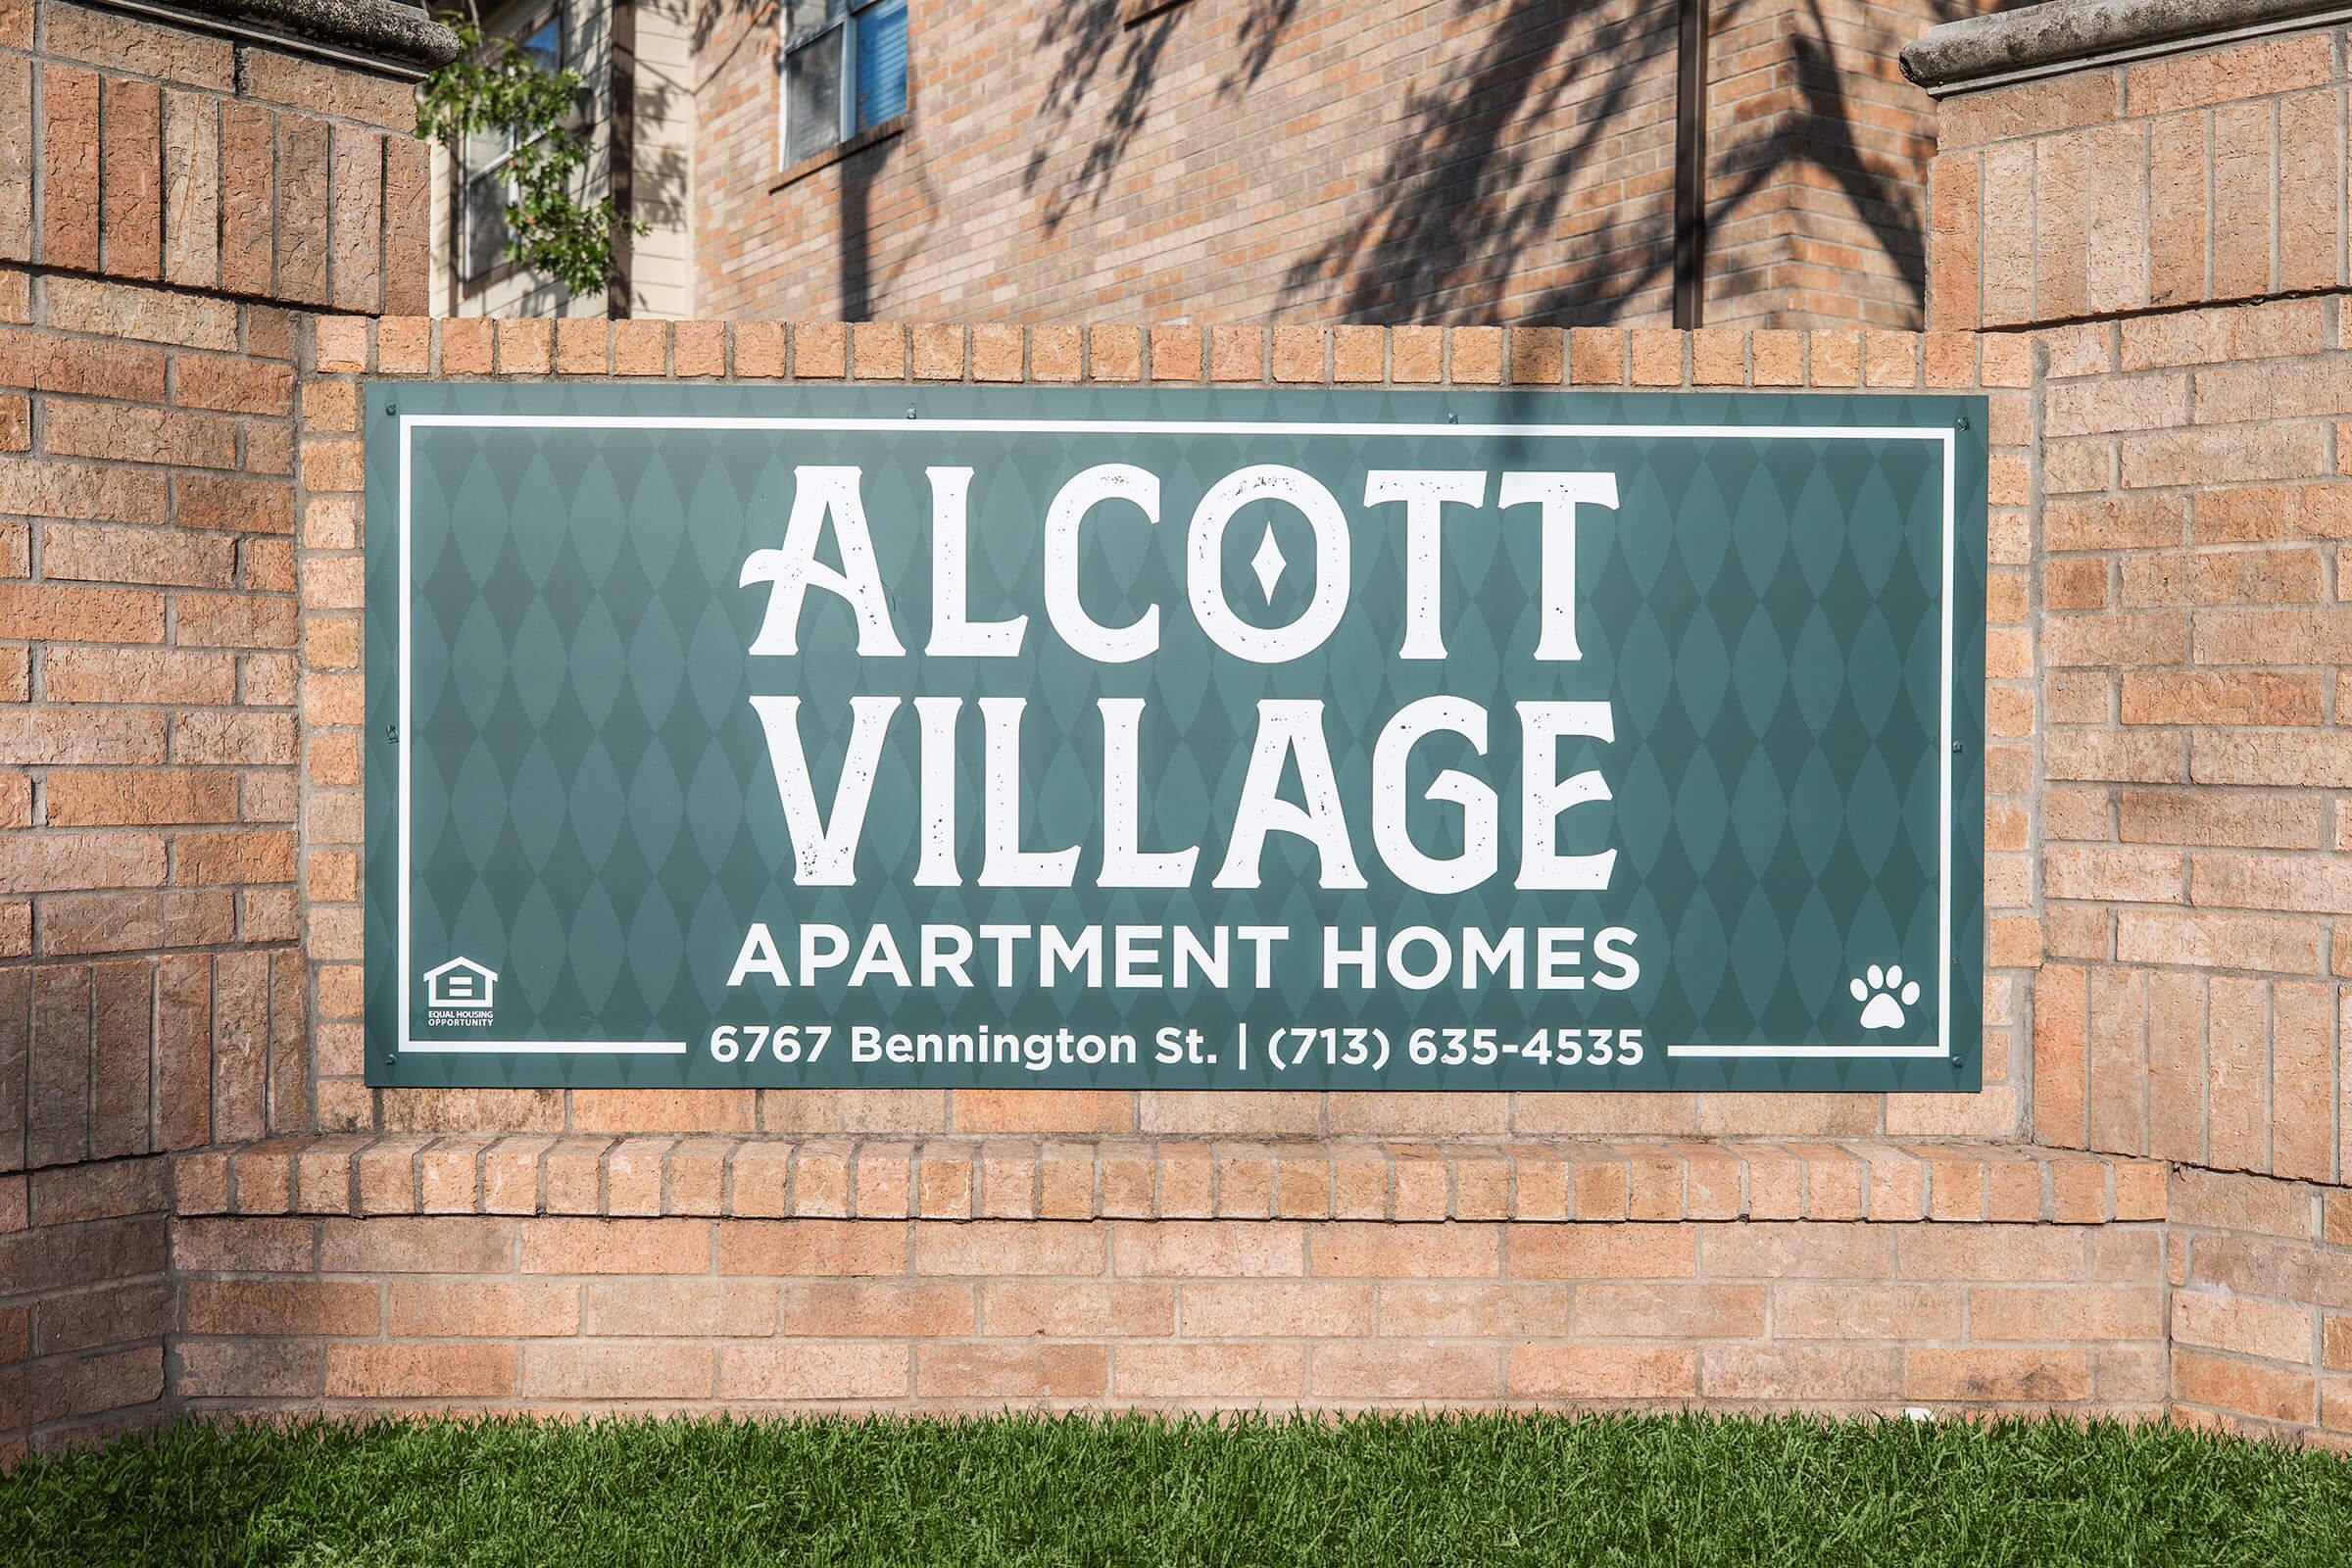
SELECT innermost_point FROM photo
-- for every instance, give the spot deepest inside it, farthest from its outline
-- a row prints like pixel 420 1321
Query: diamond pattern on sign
pixel 592 810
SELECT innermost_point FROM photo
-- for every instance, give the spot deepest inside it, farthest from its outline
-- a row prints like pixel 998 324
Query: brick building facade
pixel 1225 161
pixel 203 1206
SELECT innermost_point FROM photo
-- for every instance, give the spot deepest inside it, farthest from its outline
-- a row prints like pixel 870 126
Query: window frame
pixel 848 134
pixel 532 21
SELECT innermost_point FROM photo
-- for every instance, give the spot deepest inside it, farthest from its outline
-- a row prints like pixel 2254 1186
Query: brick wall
pixel 542 1249
pixel 2140 1215
pixel 821 353
pixel 169 201
pixel 2159 820
pixel 2170 236
pixel 1817 176
pixel 967 1274
pixel 1245 161
pixel 2194 629
pixel 2193 179
pixel 2261 1287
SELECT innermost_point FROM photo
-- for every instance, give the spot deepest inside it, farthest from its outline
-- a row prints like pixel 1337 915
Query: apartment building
pixel 1637 161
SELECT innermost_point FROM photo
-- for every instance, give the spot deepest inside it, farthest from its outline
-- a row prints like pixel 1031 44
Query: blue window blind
pixel 881 63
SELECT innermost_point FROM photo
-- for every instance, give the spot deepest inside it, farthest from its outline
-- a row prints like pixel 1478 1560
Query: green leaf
pixel 494 87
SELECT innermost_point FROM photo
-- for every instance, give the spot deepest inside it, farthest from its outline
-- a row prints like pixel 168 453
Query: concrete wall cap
pixel 389 29
pixel 2035 38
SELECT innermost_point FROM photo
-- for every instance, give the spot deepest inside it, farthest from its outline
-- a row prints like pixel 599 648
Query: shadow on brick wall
pixel 1487 167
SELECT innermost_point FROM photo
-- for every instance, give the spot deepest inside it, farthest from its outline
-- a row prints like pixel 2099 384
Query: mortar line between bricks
pixel 2248 302
pixel 45 272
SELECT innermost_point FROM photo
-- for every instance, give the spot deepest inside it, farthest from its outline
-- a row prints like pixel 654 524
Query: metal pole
pixel 620 159
pixel 1691 166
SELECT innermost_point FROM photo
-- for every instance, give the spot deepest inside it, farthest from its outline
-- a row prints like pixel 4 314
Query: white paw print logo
pixel 1883 995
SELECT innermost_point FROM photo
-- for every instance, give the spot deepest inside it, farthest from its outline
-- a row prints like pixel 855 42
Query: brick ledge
pixel 751 1176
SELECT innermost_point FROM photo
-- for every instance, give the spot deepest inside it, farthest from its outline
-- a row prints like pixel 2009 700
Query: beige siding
pixel 662 270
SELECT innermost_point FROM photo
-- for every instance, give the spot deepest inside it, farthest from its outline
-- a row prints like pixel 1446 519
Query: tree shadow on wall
pixel 1097 43
pixel 1469 192
pixel 1472 185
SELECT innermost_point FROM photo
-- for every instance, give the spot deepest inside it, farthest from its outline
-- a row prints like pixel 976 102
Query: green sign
pixel 1187 739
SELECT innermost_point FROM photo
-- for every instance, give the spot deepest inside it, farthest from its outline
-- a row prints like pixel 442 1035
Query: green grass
pixel 1385 1491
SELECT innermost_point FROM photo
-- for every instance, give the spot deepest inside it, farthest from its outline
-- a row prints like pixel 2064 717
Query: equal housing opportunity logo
pixel 460 995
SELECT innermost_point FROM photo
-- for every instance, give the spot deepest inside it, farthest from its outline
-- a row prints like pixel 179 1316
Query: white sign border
pixel 409 423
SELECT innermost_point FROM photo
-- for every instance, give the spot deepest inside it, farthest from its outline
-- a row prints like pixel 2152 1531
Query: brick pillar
pixel 2158 215
pixel 171 200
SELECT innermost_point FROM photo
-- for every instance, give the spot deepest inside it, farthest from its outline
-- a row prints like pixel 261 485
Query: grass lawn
pixel 1665 1490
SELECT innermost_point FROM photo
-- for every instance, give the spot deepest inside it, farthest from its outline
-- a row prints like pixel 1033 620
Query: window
pixel 482 213
pixel 845 70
